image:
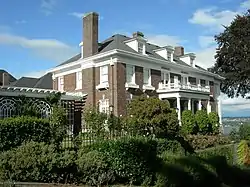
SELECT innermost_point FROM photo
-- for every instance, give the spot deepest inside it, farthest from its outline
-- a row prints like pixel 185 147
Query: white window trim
pixel 103 75
pixel 78 80
pixel 142 47
pixel 149 76
pixel 133 76
pixel 104 104
pixel 61 83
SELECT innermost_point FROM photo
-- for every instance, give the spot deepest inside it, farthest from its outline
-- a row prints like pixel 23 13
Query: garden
pixel 146 148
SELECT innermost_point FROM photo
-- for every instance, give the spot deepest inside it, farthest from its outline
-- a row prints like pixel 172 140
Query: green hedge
pixel 206 141
pixel 15 131
pixel 226 151
pixel 133 160
pixel 38 162
pixel 165 145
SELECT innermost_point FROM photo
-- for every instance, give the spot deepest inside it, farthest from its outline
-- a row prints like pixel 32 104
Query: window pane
pixel 146 76
pixel 129 73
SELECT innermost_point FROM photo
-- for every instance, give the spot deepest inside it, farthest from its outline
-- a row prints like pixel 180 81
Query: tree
pixel 188 122
pixel 233 56
pixel 214 121
pixel 202 121
pixel 152 116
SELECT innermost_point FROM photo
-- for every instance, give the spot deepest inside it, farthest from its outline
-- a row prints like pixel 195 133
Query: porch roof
pixel 39 93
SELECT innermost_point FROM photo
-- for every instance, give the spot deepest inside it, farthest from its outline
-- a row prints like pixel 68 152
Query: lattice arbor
pixel 8 108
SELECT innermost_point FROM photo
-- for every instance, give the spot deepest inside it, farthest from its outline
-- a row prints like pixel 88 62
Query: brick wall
pixel 89 85
pixel 55 84
pixel 70 82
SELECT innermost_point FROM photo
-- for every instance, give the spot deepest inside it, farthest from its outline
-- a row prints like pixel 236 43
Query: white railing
pixel 174 86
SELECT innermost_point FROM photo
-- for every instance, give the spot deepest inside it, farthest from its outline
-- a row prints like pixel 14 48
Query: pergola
pixel 72 102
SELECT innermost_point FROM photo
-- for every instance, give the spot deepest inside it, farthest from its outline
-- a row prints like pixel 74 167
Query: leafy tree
pixel 188 122
pixel 214 121
pixel 202 121
pixel 151 116
pixel 233 56
pixel 244 132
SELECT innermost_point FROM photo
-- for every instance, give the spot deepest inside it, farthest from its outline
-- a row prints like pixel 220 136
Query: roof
pixel 12 79
pixel 44 82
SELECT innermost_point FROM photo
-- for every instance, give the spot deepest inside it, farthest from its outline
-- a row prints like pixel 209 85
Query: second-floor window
pixel 140 47
pixel 79 80
pixel 164 78
pixel 130 74
pixel 104 75
pixel 61 83
pixel 146 76
pixel 169 55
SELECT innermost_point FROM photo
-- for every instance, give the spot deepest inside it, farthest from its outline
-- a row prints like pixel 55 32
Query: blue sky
pixel 39 34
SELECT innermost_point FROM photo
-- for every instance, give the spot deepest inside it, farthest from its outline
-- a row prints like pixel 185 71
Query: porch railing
pixel 191 87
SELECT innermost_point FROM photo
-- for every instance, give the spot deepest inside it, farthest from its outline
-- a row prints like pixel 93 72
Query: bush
pixel 94 169
pixel 244 132
pixel 188 124
pixel 214 121
pixel 15 131
pixel 226 151
pixel 152 116
pixel 133 160
pixel 165 145
pixel 37 162
pixel 206 141
pixel 243 153
pixel 202 121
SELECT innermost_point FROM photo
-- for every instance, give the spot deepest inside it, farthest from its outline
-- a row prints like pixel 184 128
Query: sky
pixel 37 35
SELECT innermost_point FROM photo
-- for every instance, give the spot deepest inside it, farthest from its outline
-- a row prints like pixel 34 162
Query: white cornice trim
pixel 164 62
pixel 83 60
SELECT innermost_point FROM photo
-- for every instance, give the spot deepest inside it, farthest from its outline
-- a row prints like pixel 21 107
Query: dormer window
pixel 140 47
pixel 169 56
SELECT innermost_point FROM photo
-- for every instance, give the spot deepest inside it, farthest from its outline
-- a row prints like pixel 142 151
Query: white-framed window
pixel 130 74
pixel 61 83
pixel 164 78
pixel 146 76
pixel 169 55
pixel 104 74
pixel 104 106
pixel 79 80
pixel 140 47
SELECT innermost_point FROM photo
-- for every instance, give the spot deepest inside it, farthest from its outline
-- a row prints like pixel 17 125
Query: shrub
pixel 243 153
pixel 37 162
pixel 152 116
pixel 165 145
pixel 202 121
pixel 214 121
pixel 226 151
pixel 244 132
pixel 206 141
pixel 94 169
pixel 133 160
pixel 15 131
pixel 188 125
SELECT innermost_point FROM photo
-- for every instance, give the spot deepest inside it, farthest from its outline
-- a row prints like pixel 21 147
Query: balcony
pixel 173 87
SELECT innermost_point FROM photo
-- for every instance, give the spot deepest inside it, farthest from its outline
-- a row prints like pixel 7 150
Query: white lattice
pixel 7 108
pixel 42 108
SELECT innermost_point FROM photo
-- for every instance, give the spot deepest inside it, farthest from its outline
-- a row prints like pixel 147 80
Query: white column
pixel 208 107
pixel 199 104
pixel 219 109
pixel 178 101
pixel 189 104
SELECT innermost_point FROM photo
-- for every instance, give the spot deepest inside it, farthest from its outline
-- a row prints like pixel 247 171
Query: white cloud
pixel 235 103
pixel 80 15
pixel 213 18
pixel 20 22
pixel 48 6
pixel 206 41
pixel 163 40
pixel 35 74
pixel 50 49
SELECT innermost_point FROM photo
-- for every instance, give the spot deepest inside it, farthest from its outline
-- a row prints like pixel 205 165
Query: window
pixel 130 74
pixel 140 47
pixel 61 83
pixel 164 78
pixel 169 55
pixel 146 77
pixel 79 80
pixel 104 106
pixel 104 75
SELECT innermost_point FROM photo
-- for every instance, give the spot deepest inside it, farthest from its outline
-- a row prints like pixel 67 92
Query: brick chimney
pixel 90 34
pixel 6 79
pixel 179 51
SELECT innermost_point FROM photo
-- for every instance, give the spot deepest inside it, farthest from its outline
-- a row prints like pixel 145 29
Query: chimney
pixel 138 35
pixel 179 51
pixel 6 79
pixel 90 34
